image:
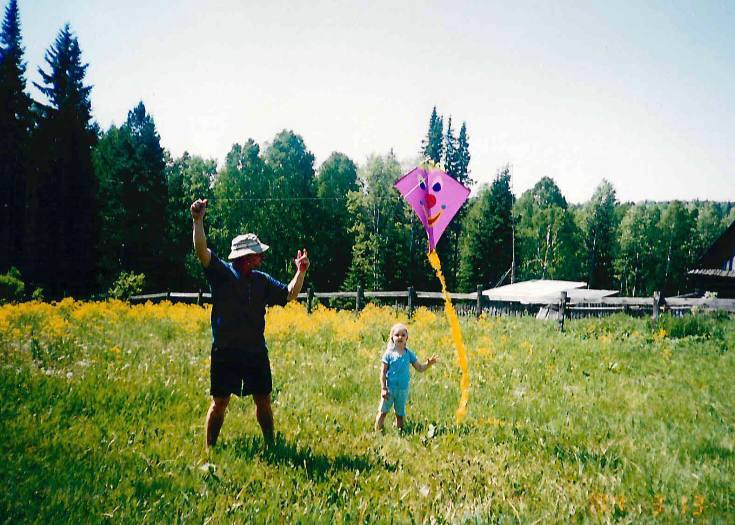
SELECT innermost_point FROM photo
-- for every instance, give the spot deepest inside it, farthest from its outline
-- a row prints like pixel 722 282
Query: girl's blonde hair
pixel 393 329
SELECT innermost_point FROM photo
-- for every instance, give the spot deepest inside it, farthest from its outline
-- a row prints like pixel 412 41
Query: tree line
pixel 83 208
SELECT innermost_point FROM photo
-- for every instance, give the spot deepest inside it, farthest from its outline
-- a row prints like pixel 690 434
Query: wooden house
pixel 715 270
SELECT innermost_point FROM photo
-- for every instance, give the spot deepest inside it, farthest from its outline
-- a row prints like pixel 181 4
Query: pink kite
pixel 434 196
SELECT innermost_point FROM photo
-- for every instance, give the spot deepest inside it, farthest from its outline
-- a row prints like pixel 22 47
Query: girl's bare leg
pixel 379 420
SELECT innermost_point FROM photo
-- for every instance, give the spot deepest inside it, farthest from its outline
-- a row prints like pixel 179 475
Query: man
pixel 239 359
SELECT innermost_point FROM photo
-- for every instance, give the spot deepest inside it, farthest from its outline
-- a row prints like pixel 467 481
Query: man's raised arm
pixel 198 209
pixel 302 264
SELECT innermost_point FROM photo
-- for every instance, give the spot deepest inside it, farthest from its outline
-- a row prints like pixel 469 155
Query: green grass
pixel 616 420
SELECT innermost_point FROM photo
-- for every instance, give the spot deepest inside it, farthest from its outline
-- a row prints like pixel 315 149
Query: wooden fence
pixel 475 304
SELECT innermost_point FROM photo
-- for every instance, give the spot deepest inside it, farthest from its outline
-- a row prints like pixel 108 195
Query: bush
pixel 127 284
pixel 11 286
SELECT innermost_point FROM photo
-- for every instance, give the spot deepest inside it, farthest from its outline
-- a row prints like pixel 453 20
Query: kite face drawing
pixel 434 196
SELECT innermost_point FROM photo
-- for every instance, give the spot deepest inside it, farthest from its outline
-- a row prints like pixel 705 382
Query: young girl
pixel 395 377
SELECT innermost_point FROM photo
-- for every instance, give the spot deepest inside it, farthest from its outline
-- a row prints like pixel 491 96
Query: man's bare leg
pixel 215 419
pixel 264 415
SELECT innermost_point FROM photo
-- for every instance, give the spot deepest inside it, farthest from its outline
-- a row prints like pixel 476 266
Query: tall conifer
pixel 463 157
pixel 144 197
pixel 451 163
pixel 15 125
pixel 61 215
pixel 487 242
pixel 432 146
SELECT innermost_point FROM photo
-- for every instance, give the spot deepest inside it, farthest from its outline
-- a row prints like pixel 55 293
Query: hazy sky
pixel 640 93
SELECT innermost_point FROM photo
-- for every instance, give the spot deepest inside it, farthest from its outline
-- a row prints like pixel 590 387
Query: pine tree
pixel 449 245
pixel 15 123
pixel 432 147
pixel 486 249
pixel 144 199
pixel 61 215
pixel 463 157
pixel 451 151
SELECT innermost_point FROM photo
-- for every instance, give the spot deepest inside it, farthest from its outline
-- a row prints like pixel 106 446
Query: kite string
pixel 461 351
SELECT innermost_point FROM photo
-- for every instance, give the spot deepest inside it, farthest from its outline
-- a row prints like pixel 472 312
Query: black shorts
pixel 235 371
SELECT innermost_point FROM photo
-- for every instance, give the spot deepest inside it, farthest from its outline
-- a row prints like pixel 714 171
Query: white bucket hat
pixel 246 245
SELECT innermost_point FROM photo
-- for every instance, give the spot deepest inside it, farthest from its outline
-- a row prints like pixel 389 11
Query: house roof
pixel 714 273
pixel 544 290
pixel 721 250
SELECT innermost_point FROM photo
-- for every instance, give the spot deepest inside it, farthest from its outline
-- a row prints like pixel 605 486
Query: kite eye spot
pixel 422 185
pixel 421 202
pixel 444 206
pixel 437 186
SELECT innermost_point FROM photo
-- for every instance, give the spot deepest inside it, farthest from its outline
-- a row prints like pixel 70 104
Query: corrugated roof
pixel 713 273
pixel 543 290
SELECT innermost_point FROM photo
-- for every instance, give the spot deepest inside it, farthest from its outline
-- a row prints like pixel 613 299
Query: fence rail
pixel 475 304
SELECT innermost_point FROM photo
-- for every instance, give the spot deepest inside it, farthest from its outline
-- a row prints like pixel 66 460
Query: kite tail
pixel 459 347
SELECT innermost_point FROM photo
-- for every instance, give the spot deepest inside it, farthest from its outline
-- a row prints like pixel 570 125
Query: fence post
pixel 309 299
pixel 478 307
pixel 199 297
pixel 562 310
pixel 656 305
pixel 411 295
pixel 358 299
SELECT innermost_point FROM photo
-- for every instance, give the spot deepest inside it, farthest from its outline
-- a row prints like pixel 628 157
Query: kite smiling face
pixel 429 201
pixel 435 197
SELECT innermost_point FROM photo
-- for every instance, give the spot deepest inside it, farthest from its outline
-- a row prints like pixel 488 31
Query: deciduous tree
pixel 332 253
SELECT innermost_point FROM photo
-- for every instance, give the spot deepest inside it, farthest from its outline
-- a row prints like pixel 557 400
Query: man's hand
pixel 198 209
pixel 302 261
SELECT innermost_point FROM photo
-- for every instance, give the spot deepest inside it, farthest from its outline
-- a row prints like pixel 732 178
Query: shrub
pixel 127 284
pixel 11 286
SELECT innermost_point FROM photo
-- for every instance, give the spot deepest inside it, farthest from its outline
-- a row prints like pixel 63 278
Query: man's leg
pixel 264 415
pixel 215 419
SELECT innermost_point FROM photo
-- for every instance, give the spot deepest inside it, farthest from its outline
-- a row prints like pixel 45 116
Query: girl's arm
pixel 383 381
pixel 423 366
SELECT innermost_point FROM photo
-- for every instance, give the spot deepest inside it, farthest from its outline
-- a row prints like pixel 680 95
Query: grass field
pixel 616 420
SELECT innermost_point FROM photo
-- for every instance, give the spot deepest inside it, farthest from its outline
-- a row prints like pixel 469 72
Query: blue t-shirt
pixel 398 374
pixel 238 305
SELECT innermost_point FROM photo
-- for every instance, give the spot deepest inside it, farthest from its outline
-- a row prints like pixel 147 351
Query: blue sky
pixel 639 93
